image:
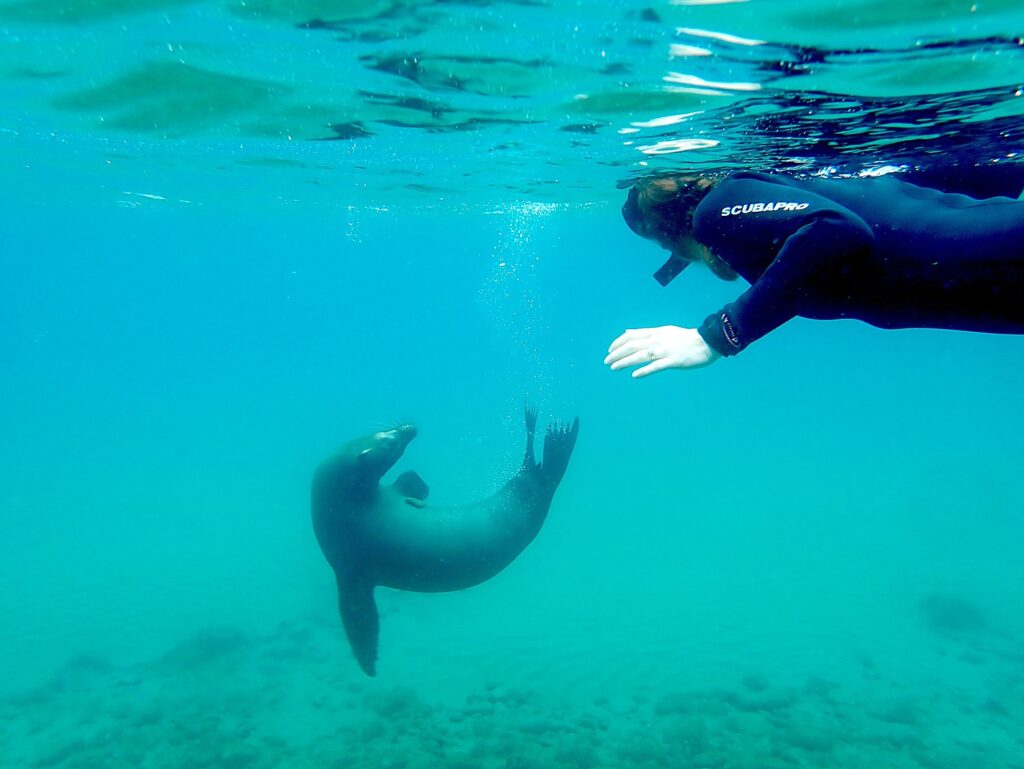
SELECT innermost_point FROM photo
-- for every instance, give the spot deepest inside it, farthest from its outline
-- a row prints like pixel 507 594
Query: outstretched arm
pixel 811 257
pixel 810 260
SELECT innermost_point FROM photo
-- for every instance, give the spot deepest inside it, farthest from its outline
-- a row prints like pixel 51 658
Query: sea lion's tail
pixel 559 441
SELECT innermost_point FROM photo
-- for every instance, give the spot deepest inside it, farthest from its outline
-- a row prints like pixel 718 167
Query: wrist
pixel 719 333
pixel 711 352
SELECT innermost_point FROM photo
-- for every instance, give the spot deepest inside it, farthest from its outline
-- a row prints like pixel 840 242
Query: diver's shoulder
pixel 748 174
pixel 754 180
pixel 740 185
pixel 751 176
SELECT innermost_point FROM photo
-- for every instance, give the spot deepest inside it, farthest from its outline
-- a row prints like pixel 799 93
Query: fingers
pixel 651 368
pixel 624 350
pixel 633 357
pixel 630 335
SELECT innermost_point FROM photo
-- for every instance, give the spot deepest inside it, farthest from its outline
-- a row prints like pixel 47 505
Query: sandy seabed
pixel 294 698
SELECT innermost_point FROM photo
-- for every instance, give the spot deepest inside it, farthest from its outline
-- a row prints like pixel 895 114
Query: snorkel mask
pixel 634 219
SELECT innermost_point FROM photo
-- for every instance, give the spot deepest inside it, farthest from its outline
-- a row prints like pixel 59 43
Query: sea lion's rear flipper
pixel 362 624
pixel 559 442
pixel 529 460
pixel 409 484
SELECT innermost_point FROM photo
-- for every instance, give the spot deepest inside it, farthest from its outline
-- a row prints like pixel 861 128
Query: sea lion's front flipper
pixel 362 624
pixel 409 484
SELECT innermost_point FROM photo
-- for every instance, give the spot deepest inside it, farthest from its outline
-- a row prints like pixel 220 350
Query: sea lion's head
pixel 351 475
pixel 377 453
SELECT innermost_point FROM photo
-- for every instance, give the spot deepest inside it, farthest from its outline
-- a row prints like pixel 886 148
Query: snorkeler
pixel 884 251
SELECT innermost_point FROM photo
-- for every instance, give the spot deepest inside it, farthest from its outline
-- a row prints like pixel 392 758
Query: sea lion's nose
pixel 400 435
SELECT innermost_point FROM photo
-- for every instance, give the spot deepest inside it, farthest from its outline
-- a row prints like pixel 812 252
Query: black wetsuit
pixel 883 251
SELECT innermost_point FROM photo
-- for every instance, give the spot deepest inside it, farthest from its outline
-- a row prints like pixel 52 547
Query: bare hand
pixel 657 349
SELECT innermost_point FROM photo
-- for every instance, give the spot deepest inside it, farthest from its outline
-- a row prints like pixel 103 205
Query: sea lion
pixel 388 535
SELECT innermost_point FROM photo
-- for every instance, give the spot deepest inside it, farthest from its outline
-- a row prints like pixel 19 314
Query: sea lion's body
pixel 435 549
pixel 387 535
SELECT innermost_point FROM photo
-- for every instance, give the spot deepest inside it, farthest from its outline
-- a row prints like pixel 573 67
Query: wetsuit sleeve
pixel 823 238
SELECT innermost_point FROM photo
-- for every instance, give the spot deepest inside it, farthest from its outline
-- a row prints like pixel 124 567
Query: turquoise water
pixel 806 556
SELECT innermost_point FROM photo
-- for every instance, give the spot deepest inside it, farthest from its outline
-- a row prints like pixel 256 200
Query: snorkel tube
pixel 670 269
